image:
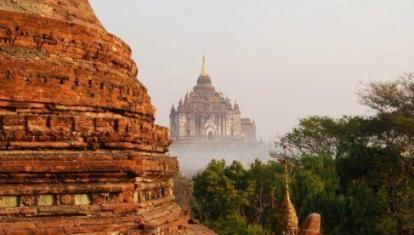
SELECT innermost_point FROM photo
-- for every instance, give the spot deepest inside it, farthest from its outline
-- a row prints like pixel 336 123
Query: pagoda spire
pixel 204 78
pixel 287 217
pixel 204 67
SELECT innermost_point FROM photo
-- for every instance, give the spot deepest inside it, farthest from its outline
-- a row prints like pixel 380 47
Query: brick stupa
pixel 79 150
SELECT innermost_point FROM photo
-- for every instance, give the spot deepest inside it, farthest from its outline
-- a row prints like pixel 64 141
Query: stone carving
pixel 66 199
pixel 9 201
pixel 28 200
pixel 46 200
pixel 82 199
pixel 6 35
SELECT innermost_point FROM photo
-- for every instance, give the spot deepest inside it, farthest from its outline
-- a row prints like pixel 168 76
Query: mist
pixel 281 60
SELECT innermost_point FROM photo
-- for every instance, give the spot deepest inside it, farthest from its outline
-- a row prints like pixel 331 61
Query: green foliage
pixel 357 172
pixel 235 200
pixel 314 136
pixel 314 189
pixel 236 225
pixel 215 193
pixel 268 181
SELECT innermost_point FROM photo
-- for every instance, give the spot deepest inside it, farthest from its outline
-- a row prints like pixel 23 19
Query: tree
pixel 357 172
pixel 313 136
pixel 215 193
pixel 393 131
pixel 391 97
pixel 267 179
pixel 315 187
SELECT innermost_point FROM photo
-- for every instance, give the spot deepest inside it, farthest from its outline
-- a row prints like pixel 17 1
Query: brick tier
pixel 79 150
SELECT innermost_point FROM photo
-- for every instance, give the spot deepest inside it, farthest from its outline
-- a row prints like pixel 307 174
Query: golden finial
pixel 287 217
pixel 286 170
pixel 204 67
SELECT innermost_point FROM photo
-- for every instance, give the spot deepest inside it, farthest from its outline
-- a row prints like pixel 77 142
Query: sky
pixel 282 60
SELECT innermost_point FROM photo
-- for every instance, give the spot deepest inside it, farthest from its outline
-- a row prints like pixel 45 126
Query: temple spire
pixel 204 67
pixel 204 78
pixel 287 217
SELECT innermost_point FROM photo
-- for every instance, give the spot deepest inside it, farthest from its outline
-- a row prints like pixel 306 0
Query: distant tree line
pixel 357 172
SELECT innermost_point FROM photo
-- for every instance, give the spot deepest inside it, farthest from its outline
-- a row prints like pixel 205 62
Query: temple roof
pixel 205 98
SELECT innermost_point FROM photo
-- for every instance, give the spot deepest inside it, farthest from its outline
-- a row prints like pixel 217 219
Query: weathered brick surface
pixel 79 150
pixel 312 225
pixel 78 129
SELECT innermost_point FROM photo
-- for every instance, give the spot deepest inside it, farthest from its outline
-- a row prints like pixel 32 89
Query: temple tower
pixel 205 124
pixel 206 115
pixel 79 150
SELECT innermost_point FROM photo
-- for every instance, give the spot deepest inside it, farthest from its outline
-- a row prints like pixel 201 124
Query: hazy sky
pixel 281 59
